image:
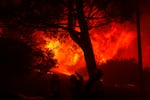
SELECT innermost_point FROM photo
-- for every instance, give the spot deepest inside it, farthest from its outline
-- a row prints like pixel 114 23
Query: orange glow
pixel 69 56
pixel 106 41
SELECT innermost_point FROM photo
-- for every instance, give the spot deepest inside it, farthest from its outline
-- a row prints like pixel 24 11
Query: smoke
pixel 145 31
pixel 115 41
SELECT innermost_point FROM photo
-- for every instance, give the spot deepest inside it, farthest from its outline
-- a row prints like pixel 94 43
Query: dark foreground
pixel 40 88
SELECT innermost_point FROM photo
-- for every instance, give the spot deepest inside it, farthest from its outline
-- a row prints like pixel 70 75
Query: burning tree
pixel 76 17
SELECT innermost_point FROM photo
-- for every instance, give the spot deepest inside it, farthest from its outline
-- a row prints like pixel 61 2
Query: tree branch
pixel 76 36
pixel 101 24
pixel 91 8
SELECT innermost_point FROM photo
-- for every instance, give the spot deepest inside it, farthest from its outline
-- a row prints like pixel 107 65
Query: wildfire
pixel 68 55
pixel 106 41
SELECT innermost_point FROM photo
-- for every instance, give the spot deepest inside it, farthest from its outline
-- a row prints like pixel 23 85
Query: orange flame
pixel 107 42
pixel 69 56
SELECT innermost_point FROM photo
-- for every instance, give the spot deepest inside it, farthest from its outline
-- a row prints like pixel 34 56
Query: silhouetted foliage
pixel 43 60
pixel 121 72
pixel 27 15
pixel 44 14
pixel 15 58
pixel 122 9
pixel 20 58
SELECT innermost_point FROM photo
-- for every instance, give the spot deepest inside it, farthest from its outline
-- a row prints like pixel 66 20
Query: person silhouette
pixel 94 89
pixel 97 89
pixel 55 87
pixel 76 86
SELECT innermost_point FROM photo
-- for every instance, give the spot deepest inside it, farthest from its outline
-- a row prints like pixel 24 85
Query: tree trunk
pixel 87 46
pixel 89 57
pixel 81 38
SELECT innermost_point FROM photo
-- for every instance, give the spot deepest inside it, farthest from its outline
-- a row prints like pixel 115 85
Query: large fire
pixel 109 42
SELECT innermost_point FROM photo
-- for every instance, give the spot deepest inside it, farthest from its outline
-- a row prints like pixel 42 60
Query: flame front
pixel 69 56
pixel 107 42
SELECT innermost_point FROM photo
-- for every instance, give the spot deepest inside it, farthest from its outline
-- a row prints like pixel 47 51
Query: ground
pixel 41 86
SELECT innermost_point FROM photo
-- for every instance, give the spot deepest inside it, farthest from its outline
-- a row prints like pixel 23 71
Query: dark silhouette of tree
pixel 42 61
pixel 15 62
pixel 55 16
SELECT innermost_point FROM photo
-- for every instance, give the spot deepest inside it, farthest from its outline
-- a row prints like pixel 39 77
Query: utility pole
pixel 140 64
